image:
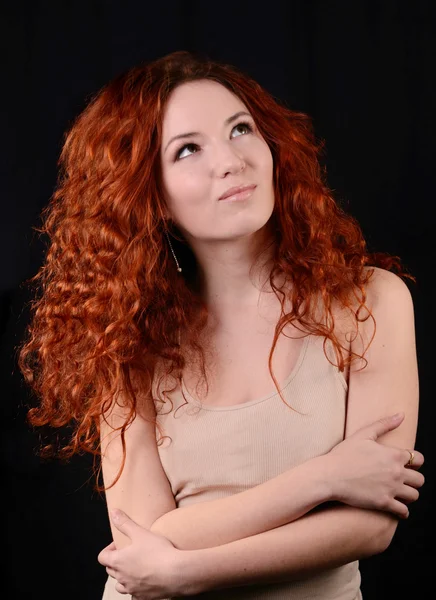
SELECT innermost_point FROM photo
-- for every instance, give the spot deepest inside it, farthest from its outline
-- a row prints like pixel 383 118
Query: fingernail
pixel 398 416
pixel 115 514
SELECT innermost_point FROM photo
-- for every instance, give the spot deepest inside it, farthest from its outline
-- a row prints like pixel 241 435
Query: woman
pixel 253 488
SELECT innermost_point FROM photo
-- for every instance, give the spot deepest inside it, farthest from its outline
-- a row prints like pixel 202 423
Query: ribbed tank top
pixel 218 451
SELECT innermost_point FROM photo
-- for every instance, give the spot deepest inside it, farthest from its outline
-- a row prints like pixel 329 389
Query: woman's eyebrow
pixel 192 133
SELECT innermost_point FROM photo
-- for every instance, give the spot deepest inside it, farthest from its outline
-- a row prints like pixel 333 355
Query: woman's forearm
pixel 324 539
pixel 279 500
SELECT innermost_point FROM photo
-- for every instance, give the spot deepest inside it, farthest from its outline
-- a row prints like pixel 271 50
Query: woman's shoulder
pixel 384 281
pixel 345 313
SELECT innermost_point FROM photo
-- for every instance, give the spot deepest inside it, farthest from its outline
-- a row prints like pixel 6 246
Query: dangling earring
pixel 175 258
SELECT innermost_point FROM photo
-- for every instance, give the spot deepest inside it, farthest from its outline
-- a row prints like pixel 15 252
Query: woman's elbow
pixel 376 530
pixel 389 524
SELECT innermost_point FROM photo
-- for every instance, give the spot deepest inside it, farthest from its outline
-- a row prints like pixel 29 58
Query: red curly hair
pixel 109 302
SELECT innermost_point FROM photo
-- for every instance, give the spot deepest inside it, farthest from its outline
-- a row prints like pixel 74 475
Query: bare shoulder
pixel 385 283
pixel 384 291
pixel 389 300
pixel 386 381
pixel 392 322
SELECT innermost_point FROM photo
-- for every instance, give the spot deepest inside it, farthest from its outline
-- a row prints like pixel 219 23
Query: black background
pixel 363 70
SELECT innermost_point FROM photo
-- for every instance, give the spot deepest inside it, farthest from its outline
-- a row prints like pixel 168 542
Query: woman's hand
pixel 367 474
pixel 148 569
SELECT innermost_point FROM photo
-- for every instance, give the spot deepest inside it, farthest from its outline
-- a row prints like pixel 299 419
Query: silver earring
pixel 175 258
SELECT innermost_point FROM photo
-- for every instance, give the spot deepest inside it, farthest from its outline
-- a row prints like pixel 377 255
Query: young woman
pixel 212 326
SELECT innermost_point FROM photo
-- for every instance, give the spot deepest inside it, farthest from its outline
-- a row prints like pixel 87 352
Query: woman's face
pixel 198 169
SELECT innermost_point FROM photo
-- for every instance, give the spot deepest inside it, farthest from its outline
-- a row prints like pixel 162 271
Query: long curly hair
pixel 109 304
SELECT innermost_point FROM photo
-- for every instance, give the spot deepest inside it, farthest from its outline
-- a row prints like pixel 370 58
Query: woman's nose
pixel 228 161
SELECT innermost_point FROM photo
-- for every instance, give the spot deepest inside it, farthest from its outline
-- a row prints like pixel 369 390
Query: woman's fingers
pixel 408 494
pixel 413 478
pixel 121 588
pixel 418 459
pixel 112 572
pixel 398 508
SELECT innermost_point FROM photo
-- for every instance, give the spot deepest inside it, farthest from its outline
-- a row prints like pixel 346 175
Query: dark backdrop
pixel 364 71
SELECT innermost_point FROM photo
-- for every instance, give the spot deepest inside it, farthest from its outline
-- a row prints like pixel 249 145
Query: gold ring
pixel 412 456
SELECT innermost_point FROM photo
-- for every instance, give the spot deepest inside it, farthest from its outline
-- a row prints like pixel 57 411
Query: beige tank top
pixel 218 451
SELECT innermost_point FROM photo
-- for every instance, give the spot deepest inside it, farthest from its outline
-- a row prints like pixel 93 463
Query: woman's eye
pixel 179 152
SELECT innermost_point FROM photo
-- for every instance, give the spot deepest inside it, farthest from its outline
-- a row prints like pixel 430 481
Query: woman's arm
pixel 275 502
pixel 324 539
pixel 358 471
pixel 388 383
pixel 143 498
pixel 337 535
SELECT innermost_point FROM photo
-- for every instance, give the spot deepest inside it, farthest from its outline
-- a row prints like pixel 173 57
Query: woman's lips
pixel 244 195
